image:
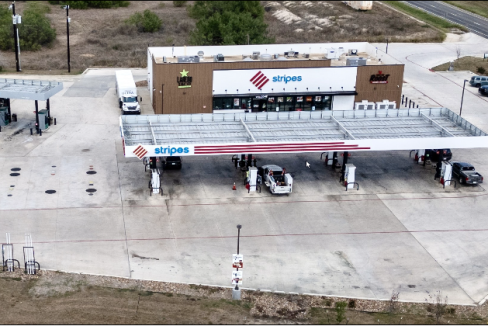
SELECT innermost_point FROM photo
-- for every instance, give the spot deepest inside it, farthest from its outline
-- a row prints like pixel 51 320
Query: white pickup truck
pixel 277 182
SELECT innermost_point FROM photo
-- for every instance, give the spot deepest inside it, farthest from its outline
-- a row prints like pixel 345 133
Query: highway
pixel 476 24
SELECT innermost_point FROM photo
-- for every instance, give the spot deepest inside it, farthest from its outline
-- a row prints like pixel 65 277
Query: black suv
pixel 172 162
pixel 433 154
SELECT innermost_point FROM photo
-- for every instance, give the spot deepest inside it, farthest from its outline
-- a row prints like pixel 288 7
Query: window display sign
pixel 309 99
pixel 184 81
pixel 318 98
pixel 237 277
pixel 289 99
pixel 237 261
pixel 271 99
pixel 299 98
pixel 280 99
pixel 236 102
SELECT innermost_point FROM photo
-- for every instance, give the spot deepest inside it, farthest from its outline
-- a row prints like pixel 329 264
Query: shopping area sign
pixel 269 81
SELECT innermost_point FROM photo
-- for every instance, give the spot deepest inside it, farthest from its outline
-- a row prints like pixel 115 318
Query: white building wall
pixel 343 102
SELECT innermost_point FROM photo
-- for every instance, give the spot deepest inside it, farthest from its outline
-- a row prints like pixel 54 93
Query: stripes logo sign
pixel 140 152
pixel 259 80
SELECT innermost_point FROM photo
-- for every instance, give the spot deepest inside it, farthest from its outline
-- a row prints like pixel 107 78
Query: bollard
pixel 0 128
pixel 31 131
pixel 40 132
pixel 417 106
pixel 402 98
pixel 406 101
pixel 54 121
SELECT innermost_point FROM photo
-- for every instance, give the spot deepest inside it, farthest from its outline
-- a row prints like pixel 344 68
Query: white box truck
pixel 126 90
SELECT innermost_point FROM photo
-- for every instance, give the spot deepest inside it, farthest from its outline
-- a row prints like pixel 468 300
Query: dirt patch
pixel 333 21
pixel 63 298
pixel 472 64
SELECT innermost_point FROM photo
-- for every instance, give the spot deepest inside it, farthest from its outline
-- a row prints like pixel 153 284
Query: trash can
pixel 51 121
pixel 14 117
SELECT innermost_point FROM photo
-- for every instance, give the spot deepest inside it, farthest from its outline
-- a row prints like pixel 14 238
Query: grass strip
pixel 435 21
pixel 476 7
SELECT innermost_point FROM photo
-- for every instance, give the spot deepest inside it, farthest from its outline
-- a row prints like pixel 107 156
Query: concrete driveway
pixel 400 231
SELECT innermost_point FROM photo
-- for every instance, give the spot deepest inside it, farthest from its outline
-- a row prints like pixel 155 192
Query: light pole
pixel 387 45
pixel 67 34
pixel 236 292
pixel 462 97
pixel 15 20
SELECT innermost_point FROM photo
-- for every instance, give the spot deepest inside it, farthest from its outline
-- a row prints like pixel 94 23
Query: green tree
pixel 34 31
pixel 147 22
pixel 228 23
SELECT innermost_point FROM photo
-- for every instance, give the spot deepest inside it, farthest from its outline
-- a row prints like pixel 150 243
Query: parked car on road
pixel 477 80
pixel 172 162
pixel 465 173
pixel 483 90
pixel 433 154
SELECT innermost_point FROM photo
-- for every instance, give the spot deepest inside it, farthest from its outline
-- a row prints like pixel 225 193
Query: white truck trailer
pixel 126 90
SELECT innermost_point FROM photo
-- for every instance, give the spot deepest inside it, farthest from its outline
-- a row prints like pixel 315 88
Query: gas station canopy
pixel 298 131
pixel 39 90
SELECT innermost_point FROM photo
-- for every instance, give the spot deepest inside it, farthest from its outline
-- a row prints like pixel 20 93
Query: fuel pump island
pixel 326 132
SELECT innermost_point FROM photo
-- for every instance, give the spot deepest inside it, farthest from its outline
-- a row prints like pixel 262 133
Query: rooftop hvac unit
pixel 265 57
pixel 385 105
pixel 244 56
pixel 164 59
pixel 219 57
pixel 354 62
pixel 306 55
pixel 255 55
pixel 276 55
pixel 364 105
pixel 353 52
pixel 187 58
pixel 291 53
pixel 331 54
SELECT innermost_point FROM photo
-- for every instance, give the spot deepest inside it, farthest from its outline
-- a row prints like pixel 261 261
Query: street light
pixel 67 34
pixel 16 20
pixel 236 292
pixel 462 97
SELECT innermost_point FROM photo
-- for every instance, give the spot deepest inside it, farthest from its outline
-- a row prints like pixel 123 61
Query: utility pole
pixel 16 37
pixel 67 34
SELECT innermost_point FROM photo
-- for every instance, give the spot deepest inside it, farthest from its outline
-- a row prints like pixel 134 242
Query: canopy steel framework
pixel 304 131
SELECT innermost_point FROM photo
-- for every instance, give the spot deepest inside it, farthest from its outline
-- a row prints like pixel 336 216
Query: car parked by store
pixel 433 154
pixel 466 173
pixel 477 80
pixel 172 162
pixel 483 90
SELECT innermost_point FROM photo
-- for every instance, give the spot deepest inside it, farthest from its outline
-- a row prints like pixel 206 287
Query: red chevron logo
pixel 259 80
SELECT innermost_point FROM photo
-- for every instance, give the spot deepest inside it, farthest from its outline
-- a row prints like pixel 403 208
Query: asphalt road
pixel 476 25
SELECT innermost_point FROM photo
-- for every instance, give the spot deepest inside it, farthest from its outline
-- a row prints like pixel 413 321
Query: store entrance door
pixel 259 105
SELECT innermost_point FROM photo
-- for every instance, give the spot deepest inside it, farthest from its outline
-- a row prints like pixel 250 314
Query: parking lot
pixel 400 231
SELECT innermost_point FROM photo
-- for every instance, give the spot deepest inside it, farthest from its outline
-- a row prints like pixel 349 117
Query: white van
pixel 477 80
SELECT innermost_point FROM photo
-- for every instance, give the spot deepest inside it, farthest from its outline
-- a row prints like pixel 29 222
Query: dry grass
pixel 100 38
pixel 466 63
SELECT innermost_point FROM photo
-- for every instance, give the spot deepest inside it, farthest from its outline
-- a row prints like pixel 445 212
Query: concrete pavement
pixel 401 230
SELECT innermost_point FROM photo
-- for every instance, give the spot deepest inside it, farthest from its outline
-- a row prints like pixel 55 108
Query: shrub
pixel 340 308
pixel 179 3
pixel 91 4
pixel 481 70
pixel 34 31
pixel 147 22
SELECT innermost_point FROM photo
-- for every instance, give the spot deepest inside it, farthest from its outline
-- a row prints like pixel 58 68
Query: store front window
pixel 265 103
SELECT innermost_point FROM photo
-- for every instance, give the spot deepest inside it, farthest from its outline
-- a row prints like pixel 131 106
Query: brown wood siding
pixel 379 92
pixel 198 98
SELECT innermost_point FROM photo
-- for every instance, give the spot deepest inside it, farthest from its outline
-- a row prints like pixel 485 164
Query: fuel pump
pixel 253 176
pixel 420 156
pixel 350 176
pixel 438 168
pixel 446 173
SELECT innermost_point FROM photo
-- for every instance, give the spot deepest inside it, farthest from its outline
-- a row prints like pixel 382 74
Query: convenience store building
pixel 271 77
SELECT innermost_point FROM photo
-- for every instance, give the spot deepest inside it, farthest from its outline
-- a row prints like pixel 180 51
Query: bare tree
pixel 458 53
pixel 392 306
pixel 437 305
